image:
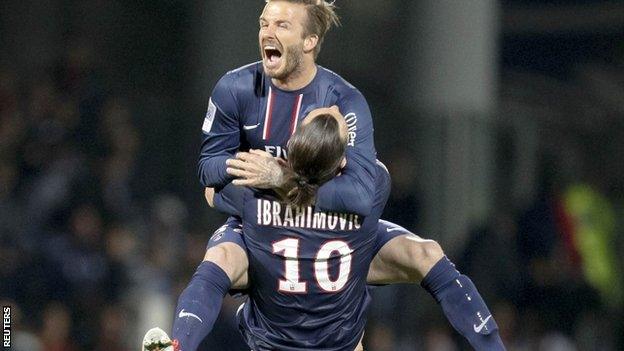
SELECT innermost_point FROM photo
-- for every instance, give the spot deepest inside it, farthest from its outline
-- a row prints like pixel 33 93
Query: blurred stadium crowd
pixel 91 257
pixel 87 266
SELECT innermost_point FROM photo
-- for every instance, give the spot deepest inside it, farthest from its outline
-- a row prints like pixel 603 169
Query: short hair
pixel 315 154
pixel 321 16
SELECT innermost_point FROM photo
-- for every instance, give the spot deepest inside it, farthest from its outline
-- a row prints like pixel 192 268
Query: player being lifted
pixel 308 269
pixel 259 106
pixel 324 256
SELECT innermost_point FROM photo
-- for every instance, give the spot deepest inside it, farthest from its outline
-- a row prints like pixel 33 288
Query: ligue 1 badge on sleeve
pixel 6 327
pixel 210 115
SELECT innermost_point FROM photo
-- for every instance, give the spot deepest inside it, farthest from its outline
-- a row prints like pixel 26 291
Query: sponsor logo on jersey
pixel 351 119
pixel 276 151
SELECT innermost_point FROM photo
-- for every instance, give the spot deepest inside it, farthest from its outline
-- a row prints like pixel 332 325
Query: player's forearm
pixel 212 171
pixel 346 196
pixel 221 137
pixel 353 191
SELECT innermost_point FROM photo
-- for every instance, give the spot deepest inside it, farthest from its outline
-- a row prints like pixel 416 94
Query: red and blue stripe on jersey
pixel 283 108
pixel 248 111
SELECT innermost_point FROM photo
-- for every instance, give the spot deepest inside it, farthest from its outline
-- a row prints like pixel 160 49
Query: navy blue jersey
pixel 307 270
pixel 247 111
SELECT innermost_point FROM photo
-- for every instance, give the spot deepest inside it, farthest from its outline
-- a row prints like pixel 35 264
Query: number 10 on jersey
pixel 292 284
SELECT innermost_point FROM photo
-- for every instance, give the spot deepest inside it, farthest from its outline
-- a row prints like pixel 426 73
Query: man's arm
pixel 353 191
pixel 230 200
pixel 221 137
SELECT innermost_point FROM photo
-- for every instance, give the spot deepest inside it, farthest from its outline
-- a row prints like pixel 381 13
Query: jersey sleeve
pixel 221 134
pixel 231 199
pixel 383 184
pixel 353 190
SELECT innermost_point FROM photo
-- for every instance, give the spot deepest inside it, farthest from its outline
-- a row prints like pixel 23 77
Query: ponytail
pixel 315 155
pixel 304 192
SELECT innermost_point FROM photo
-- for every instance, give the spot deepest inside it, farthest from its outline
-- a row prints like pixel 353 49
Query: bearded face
pixel 280 64
pixel 281 38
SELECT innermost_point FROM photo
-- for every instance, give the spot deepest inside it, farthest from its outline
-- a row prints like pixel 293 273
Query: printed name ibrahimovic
pixel 276 214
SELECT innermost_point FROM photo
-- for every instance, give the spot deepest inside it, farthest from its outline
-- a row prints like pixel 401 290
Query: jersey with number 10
pixel 307 270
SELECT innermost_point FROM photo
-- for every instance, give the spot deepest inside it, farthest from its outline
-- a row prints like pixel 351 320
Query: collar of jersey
pixel 301 90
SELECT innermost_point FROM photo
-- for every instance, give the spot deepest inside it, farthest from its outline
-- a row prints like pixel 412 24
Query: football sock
pixel 463 306
pixel 199 305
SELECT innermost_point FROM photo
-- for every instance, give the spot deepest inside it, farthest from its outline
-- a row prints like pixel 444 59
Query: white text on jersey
pixel 277 214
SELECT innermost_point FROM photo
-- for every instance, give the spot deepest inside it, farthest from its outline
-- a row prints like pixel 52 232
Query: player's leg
pixel 402 257
pixel 406 258
pixel 224 267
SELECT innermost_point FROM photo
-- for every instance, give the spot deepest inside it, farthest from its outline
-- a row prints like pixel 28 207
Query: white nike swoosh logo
pixel 478 329
pixel 251 127
pixel 188 314
pixel 394 229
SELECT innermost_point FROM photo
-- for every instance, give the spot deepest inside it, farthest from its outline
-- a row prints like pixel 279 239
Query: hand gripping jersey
pixel 247 111
pixel 307 270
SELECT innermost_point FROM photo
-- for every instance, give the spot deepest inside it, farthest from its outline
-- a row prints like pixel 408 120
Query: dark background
pixel 501 123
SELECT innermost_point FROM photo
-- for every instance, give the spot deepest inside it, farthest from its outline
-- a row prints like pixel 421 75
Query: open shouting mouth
pixel 272 56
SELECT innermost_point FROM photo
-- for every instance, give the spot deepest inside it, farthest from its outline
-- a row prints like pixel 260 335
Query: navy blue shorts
pixel 230 232
pixel 387 231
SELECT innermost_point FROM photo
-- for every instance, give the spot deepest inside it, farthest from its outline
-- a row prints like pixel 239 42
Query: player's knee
pixel 232 260
pixel 217 254
pixel 222 255
pixel 432 251
pixel 425 254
